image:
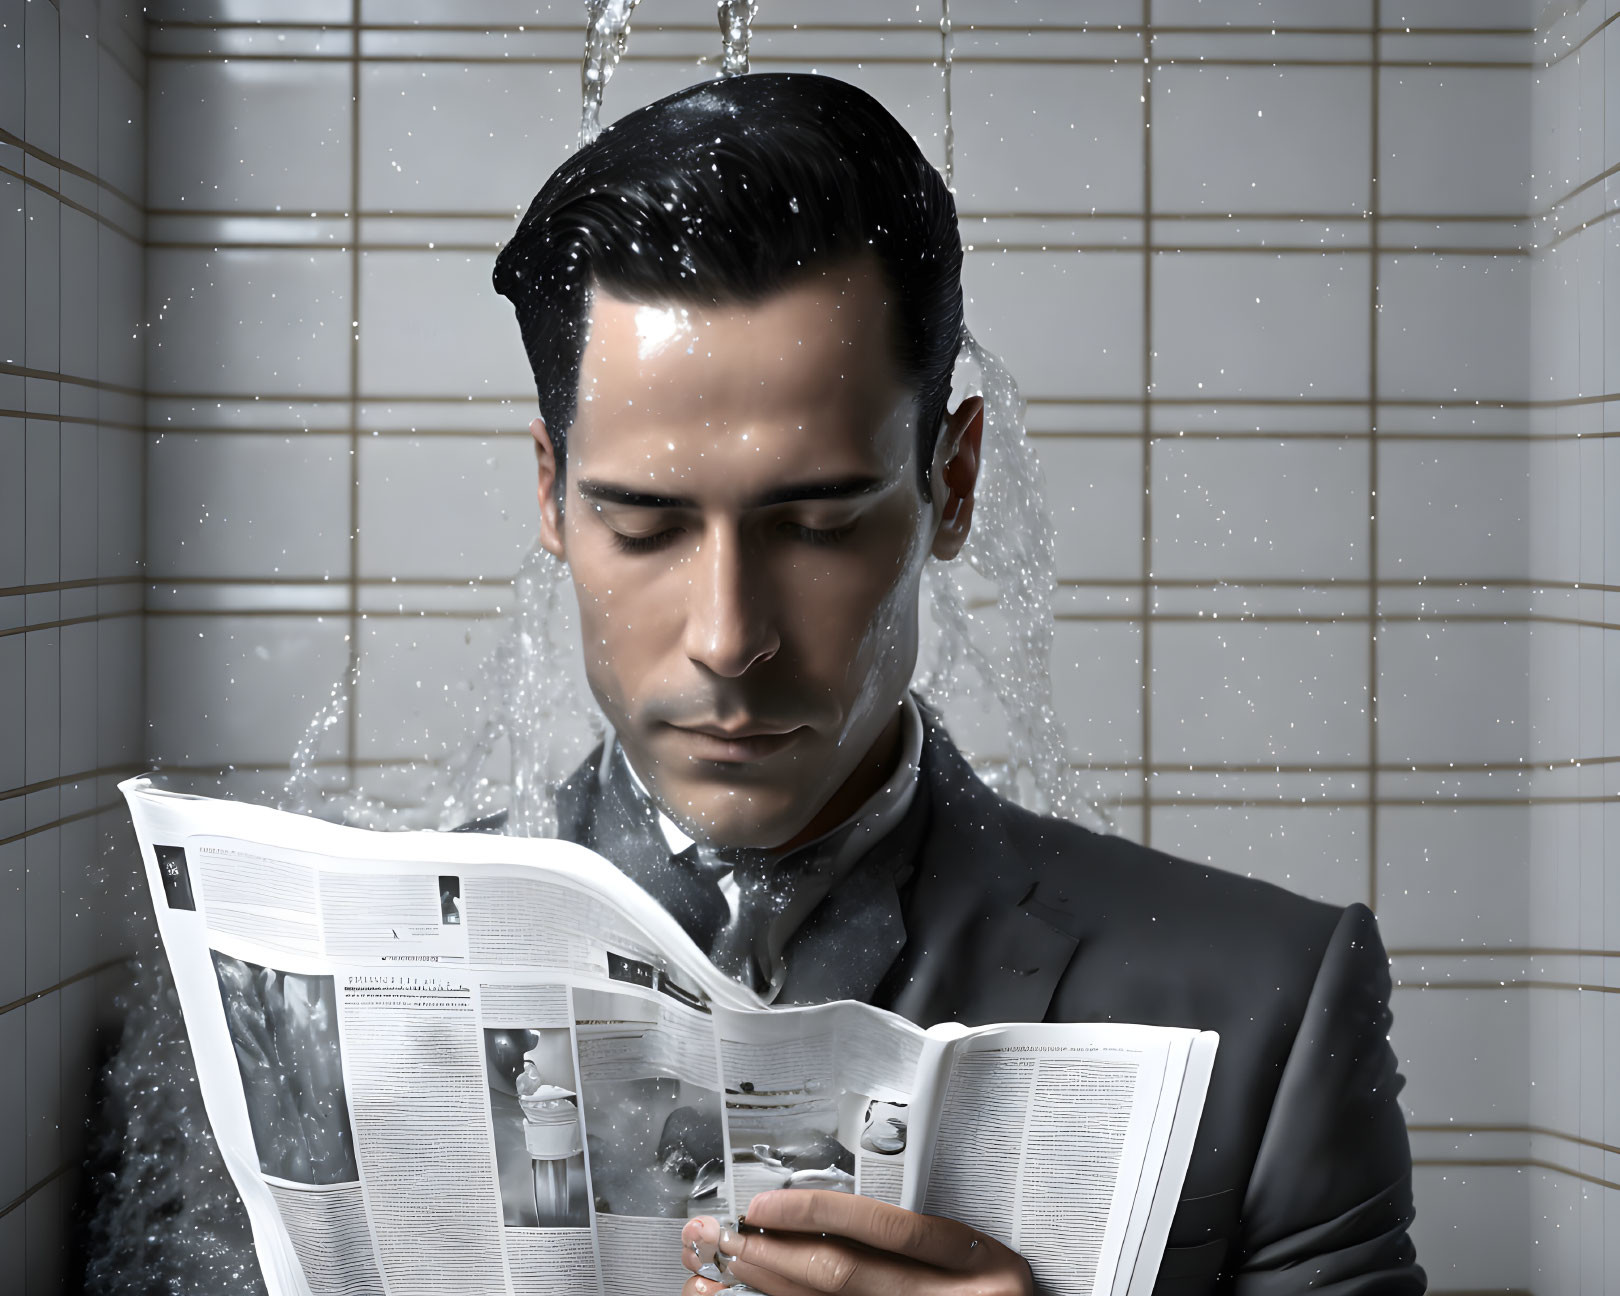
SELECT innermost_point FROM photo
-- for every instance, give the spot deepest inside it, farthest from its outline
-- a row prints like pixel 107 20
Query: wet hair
pixel 727 192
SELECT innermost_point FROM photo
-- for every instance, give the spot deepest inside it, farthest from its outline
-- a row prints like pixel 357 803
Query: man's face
pixel 746 533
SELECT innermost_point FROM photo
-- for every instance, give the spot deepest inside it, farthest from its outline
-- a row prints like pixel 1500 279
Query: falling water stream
pixel 166 1217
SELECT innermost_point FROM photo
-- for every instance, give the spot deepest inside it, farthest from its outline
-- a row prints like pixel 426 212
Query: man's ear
pixel 956 473
pixel 545 454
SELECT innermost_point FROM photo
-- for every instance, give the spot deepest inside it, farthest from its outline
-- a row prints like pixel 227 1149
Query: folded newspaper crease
pixel 459 1063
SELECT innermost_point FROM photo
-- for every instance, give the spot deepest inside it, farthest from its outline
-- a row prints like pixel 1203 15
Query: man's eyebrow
pixel 819 489
pixel 608 493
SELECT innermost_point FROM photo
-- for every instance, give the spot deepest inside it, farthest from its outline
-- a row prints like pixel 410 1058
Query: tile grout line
pixel 1372 463
pixel 352 683
pixel 1146 610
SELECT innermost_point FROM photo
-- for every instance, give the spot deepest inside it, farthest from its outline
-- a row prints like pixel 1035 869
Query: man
pixel 742 306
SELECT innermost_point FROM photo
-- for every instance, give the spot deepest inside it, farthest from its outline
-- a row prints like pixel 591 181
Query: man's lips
pixel 737 745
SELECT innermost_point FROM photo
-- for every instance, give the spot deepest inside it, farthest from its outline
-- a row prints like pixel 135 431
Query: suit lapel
pixel 974 953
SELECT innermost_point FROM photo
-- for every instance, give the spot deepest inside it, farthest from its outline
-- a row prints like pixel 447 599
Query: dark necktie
pixel 737 948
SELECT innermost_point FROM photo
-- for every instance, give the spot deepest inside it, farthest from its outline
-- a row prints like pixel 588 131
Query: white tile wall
pixel 71 358
pixel 1574 723
pixel 1345 599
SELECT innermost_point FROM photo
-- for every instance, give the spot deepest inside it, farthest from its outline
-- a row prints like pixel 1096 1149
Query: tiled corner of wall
pixel 71 546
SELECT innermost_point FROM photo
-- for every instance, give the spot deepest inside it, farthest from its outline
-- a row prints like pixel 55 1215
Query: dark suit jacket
pixel 1301 1177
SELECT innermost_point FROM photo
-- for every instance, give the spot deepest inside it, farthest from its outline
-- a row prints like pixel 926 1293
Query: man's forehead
pixel 808 373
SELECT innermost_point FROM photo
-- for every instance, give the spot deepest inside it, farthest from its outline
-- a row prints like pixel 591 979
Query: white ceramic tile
pixel 79 329
pixel 474 138
pixel 446 506
pixel 255 323
pixel 1237 509
pixel 41 1065
pixel 1554 1065
pixel 1317 852
pixel 1227 324
pixel 1047 138
pixel 79 714
pixel 13 73
pixel 41 39
pixel 13 692
pixel 121 111
pixel 417 693
pixel 120 690
pixel 13 926
pixel 119 506
pixel 1094 493
pixel 1451 878
pixel 42 240
pixel 1040 312
pixel 1472 1227
pixel 13 227
pixel 1453 510
pixel 1248 139
pixel 13 1107
pixel 1261 13
pixel 43 1226
pixel 1454 140
pixel 1556 118
pixel 81 881
pixel 42 744
pixel 79 521
pixel 1452 692
pixel 1465 1055
pixel 80 54
pixel 431 325
pixel 42 905
pixel 1554 911
pixel 42 502
pixel 246 505
pixel 13 497
pixel 1249 693
pixel 222 689
pixel 1454 327
pixel 1462 14
pixel 1097 689
pixel 79 1047
pixel 254 135
pixel 120 319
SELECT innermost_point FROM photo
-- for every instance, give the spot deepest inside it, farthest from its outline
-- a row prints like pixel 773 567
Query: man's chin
pixel 736 816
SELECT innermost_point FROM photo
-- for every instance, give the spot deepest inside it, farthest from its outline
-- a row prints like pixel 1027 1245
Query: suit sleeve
pixel 1330 1200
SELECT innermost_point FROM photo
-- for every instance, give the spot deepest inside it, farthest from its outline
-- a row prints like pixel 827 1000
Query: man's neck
pixel 873 771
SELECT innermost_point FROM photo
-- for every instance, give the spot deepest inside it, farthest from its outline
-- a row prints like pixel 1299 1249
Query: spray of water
pixel 607 32
pixel 1001 636
pixel 736 22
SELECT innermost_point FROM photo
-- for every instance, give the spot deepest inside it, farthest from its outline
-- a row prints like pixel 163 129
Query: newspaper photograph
pixel 455 1063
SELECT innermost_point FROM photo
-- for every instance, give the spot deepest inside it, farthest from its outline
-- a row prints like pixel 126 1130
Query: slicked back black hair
pixel 727 192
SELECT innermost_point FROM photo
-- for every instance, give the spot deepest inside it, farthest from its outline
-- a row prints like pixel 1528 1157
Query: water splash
pixel 1010 548
pixel 533 701
pixel 607 32
pixel 736 24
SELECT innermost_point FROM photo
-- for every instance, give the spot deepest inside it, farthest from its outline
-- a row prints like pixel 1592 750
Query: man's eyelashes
pixel 816 536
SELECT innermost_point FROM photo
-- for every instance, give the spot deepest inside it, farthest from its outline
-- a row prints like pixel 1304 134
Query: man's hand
pixel 815 1242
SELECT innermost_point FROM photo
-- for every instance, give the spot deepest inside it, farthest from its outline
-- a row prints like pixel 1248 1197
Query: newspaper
pixel 461 1063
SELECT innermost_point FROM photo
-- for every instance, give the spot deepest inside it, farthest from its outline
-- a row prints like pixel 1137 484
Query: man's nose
pixel 728 623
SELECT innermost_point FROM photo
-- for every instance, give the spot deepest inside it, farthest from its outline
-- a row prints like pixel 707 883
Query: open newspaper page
pixel 1069 1143
pixel 440 1064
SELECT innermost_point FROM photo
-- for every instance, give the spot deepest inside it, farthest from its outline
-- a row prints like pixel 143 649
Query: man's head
pixel 742 306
